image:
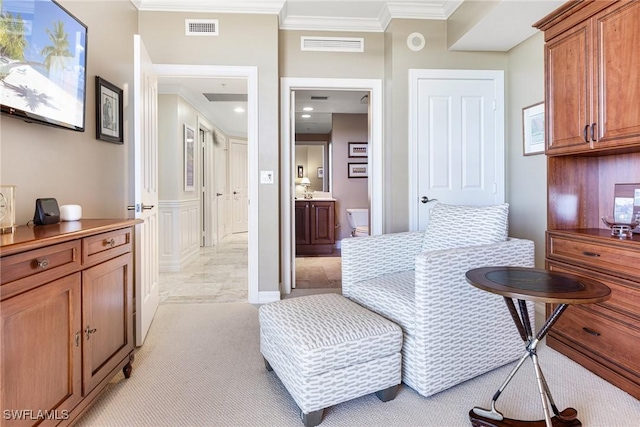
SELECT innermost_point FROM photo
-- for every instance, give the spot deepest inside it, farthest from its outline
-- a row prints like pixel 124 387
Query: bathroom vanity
pixel 315 226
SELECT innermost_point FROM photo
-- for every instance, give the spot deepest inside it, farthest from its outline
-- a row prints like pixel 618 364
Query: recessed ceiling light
pixel 239 110
pixel 307 109
pixel 305 116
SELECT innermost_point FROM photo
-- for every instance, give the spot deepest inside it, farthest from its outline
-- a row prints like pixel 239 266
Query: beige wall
pixel 398 60
pixel 244 40
pixel 526 175
pixel 74 167
pixel 349 192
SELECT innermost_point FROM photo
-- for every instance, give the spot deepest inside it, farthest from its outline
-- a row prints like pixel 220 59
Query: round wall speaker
pixel 415 41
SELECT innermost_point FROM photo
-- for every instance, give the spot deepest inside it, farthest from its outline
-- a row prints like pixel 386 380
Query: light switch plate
pixel 266 177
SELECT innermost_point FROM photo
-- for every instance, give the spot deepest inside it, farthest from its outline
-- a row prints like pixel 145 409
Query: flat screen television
pixel 43 63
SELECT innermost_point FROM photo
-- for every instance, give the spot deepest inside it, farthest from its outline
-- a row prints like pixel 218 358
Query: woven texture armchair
pixel 452 331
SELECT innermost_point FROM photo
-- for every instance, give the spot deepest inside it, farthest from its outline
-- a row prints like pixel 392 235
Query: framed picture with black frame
pixel 108 112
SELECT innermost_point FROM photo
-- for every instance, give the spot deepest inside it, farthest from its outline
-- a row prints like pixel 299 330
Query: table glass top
pixel 532 280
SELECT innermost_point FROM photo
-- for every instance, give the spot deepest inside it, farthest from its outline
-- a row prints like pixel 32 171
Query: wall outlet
pixel 266 177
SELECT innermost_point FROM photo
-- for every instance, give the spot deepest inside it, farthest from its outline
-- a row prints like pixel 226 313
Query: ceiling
pixel 492 25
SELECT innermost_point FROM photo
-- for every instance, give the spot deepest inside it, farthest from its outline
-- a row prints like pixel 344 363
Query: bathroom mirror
pixel 313 157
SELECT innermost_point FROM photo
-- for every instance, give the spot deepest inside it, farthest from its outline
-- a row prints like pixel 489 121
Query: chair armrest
pixel 441 281
pixel 367 257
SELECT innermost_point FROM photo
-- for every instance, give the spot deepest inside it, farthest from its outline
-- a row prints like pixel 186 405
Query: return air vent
pixel 332 44
pixel 201 27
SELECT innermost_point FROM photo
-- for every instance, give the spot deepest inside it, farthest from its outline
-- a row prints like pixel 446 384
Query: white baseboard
pixel 265 297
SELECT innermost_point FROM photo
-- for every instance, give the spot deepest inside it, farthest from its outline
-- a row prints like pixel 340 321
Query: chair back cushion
pixel 457 226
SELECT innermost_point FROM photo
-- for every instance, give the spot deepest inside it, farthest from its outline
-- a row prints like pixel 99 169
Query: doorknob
pixel 137 207
pixel 425 199
pixel 235 192
pixel 218 194
pixel 146 207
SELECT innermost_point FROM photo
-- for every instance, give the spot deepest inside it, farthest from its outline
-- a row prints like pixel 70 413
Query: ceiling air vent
pixel 332 44
pixel 201 27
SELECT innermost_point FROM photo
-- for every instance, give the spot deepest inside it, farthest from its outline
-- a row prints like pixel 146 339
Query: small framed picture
pixel 300 171
pixel 358 170
pixel 533 129
pixel 189 154
pixel 320 173
pixel 358 149
pixel 108 112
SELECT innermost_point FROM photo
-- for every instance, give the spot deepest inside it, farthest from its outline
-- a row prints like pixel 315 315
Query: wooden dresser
pixel 315 226
pixel 67 312
pixel 593 142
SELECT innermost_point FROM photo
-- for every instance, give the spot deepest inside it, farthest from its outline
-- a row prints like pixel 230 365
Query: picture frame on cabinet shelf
pixel 533 134
pixel 189 154
pixel 108 112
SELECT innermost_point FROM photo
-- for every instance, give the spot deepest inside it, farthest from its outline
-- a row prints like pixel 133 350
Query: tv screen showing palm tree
pixel 42 63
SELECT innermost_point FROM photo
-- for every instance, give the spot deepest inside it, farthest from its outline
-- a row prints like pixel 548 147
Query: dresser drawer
pixel 625 294
pixel 605 338
pixel 620 261
pixel 26 270
pixel 105 246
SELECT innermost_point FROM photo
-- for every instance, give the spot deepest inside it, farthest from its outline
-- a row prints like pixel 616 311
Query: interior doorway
pixel 289 87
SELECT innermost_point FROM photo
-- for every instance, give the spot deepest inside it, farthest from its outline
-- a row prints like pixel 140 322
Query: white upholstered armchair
pixel 452 331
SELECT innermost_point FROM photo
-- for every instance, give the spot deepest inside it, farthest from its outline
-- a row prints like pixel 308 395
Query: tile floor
pixel 219 274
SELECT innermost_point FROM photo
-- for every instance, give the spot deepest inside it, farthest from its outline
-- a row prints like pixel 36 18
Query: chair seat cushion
pixel 322 333
pixel 390 295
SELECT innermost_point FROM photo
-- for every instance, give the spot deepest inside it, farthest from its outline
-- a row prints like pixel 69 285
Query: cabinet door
pixel 568 91
pixel 617 85
pixel 41 353
pixel 322 223
pixel 107 318
pixel 303 232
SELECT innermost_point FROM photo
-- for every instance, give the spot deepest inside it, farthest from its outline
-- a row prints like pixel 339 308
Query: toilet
pixel 358 220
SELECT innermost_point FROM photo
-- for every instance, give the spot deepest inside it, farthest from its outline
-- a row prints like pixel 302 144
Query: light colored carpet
pixel 201 366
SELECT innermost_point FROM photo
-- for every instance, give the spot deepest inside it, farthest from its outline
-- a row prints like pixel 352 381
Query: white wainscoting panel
pixel 180 233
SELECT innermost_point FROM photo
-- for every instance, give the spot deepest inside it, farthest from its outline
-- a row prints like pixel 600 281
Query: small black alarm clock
pixel 47 212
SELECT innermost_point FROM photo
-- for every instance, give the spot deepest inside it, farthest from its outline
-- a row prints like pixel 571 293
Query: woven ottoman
pixel 327 349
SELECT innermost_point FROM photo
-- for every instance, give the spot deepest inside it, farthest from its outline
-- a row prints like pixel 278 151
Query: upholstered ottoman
pixel 326 350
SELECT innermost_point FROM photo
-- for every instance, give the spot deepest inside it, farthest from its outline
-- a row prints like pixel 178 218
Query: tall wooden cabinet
pixel 66 307
pixel 593 143
pixel 315 226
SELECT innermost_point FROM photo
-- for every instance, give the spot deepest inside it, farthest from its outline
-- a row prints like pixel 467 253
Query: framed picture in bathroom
pixel 358 149
pixel 320 173
pixel 358 170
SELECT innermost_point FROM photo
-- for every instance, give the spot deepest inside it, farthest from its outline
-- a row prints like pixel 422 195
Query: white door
pixel 221 159
pixel 458 139
pixel 239 188
pixel 145 100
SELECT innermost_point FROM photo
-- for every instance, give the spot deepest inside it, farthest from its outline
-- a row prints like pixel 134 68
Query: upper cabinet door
pixel 568 98
pixel 617 83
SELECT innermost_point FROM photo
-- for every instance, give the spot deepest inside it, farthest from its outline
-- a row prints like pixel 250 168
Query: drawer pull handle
pixel 90 331
pixel 110 242
pixel 591 332
pixel 592 254
pixel 42 263
pixel 78 339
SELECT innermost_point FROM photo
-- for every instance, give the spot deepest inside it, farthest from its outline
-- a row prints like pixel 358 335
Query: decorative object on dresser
pixel 593 143
pixel 7 208
pixel 70 285
pixel 109 112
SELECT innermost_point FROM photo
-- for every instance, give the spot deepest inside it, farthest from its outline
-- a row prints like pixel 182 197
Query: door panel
pixel 145 101
pixel 239 188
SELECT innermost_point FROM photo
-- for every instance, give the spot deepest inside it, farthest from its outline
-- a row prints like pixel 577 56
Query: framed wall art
pixel 189 155
pixel 533 129
pixel 108 112
pixel 358 170
pixel 320 173
pixel 358 149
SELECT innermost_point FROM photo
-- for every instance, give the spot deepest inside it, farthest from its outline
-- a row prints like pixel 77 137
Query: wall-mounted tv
pixel 43 63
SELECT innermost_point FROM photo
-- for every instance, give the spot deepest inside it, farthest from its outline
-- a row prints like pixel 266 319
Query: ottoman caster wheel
pixel 312 419
pixel 388 393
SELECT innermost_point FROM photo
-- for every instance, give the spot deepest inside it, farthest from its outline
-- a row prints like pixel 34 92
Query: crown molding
pixel 324 23
pixel 211 6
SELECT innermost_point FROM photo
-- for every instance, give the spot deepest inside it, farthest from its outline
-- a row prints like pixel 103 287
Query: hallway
pixel 218 274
